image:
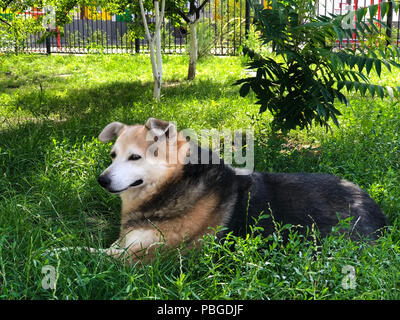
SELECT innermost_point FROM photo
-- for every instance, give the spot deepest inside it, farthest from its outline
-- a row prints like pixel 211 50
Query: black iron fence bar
pixel 247 18
pixel 389 23
pixel 227 25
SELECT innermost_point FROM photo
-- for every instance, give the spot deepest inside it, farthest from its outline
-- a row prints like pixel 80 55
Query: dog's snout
pixel 104 181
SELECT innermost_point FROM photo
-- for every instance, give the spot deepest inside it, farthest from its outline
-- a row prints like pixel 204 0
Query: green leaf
pixel 368 64
pixel 381 92
pixel 338 32
pixel 373 9
pixel 384 9
pixel 259 73
pixel 387 65
pixel 361 63
pixel 363 89
pixel 353 61
pixel 349 85
pixel 244 89
pixel 360 13
pixel 394 63
pixel 340 85
pixel 378 67
pixel 326 94
pixel 371 89
pixel 356 85
pixel 334 119
pixel 342 98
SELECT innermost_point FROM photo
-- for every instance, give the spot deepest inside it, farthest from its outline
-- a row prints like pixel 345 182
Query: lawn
pixel 52 109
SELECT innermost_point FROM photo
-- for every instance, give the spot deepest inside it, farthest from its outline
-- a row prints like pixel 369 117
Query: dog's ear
pixel 110 131
pixel 161 127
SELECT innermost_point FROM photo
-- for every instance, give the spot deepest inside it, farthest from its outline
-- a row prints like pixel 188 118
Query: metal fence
pixel 224 25
pixel 92 29
pixel 343 7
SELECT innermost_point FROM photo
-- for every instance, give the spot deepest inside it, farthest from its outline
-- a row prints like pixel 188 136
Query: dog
pixel 169 196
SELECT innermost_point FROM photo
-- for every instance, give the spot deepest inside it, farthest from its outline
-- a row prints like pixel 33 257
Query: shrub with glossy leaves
pixel 306 73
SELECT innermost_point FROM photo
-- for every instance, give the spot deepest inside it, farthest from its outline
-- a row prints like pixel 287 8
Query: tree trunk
pixel 158 80
pixel 193 50
pixel 155 68
pixel 155 45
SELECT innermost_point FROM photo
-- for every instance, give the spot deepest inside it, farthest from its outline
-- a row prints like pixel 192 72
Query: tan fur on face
pixel 136 136
pixel 132 135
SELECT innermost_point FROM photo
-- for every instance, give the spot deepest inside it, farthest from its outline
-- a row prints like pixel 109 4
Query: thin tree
pixel 155 44
pixel 192 18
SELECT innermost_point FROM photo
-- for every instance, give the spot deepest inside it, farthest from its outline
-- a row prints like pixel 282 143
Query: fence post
pixel 137 40
pixel 389 23
pixel 48 48
pixel 247 18
pixel 137 45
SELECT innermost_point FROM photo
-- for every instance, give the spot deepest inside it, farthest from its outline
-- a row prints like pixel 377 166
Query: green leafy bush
pixel 300 82
pixel 74 39
pixel 17 33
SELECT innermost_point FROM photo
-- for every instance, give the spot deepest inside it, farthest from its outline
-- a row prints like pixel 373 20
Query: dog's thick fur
pixel 166 202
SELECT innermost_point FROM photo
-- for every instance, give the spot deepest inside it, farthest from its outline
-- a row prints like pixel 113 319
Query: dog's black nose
pixel 104 181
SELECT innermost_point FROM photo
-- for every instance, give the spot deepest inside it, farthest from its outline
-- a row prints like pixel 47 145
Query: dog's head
pixel 143 155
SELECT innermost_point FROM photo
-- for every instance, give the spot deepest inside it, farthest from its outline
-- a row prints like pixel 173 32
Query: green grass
pixel 51 111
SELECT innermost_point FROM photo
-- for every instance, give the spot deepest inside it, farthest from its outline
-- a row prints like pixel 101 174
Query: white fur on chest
pixel 139 239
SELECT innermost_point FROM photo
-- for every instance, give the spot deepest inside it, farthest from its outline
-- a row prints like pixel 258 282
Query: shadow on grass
pixel 25 152
pixel 103 99
pixel 36 151
pixel 74 117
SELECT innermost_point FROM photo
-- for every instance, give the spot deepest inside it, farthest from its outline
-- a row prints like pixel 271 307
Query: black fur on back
pixel 289 198
pixel 306 199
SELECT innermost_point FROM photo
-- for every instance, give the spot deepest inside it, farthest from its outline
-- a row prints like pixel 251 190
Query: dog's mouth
pixel 135 184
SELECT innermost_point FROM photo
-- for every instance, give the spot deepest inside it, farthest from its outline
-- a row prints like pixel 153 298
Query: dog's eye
pixel 134 157
pixel 113 155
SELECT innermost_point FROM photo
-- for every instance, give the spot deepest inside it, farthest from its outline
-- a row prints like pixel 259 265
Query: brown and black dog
pixel 169 197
